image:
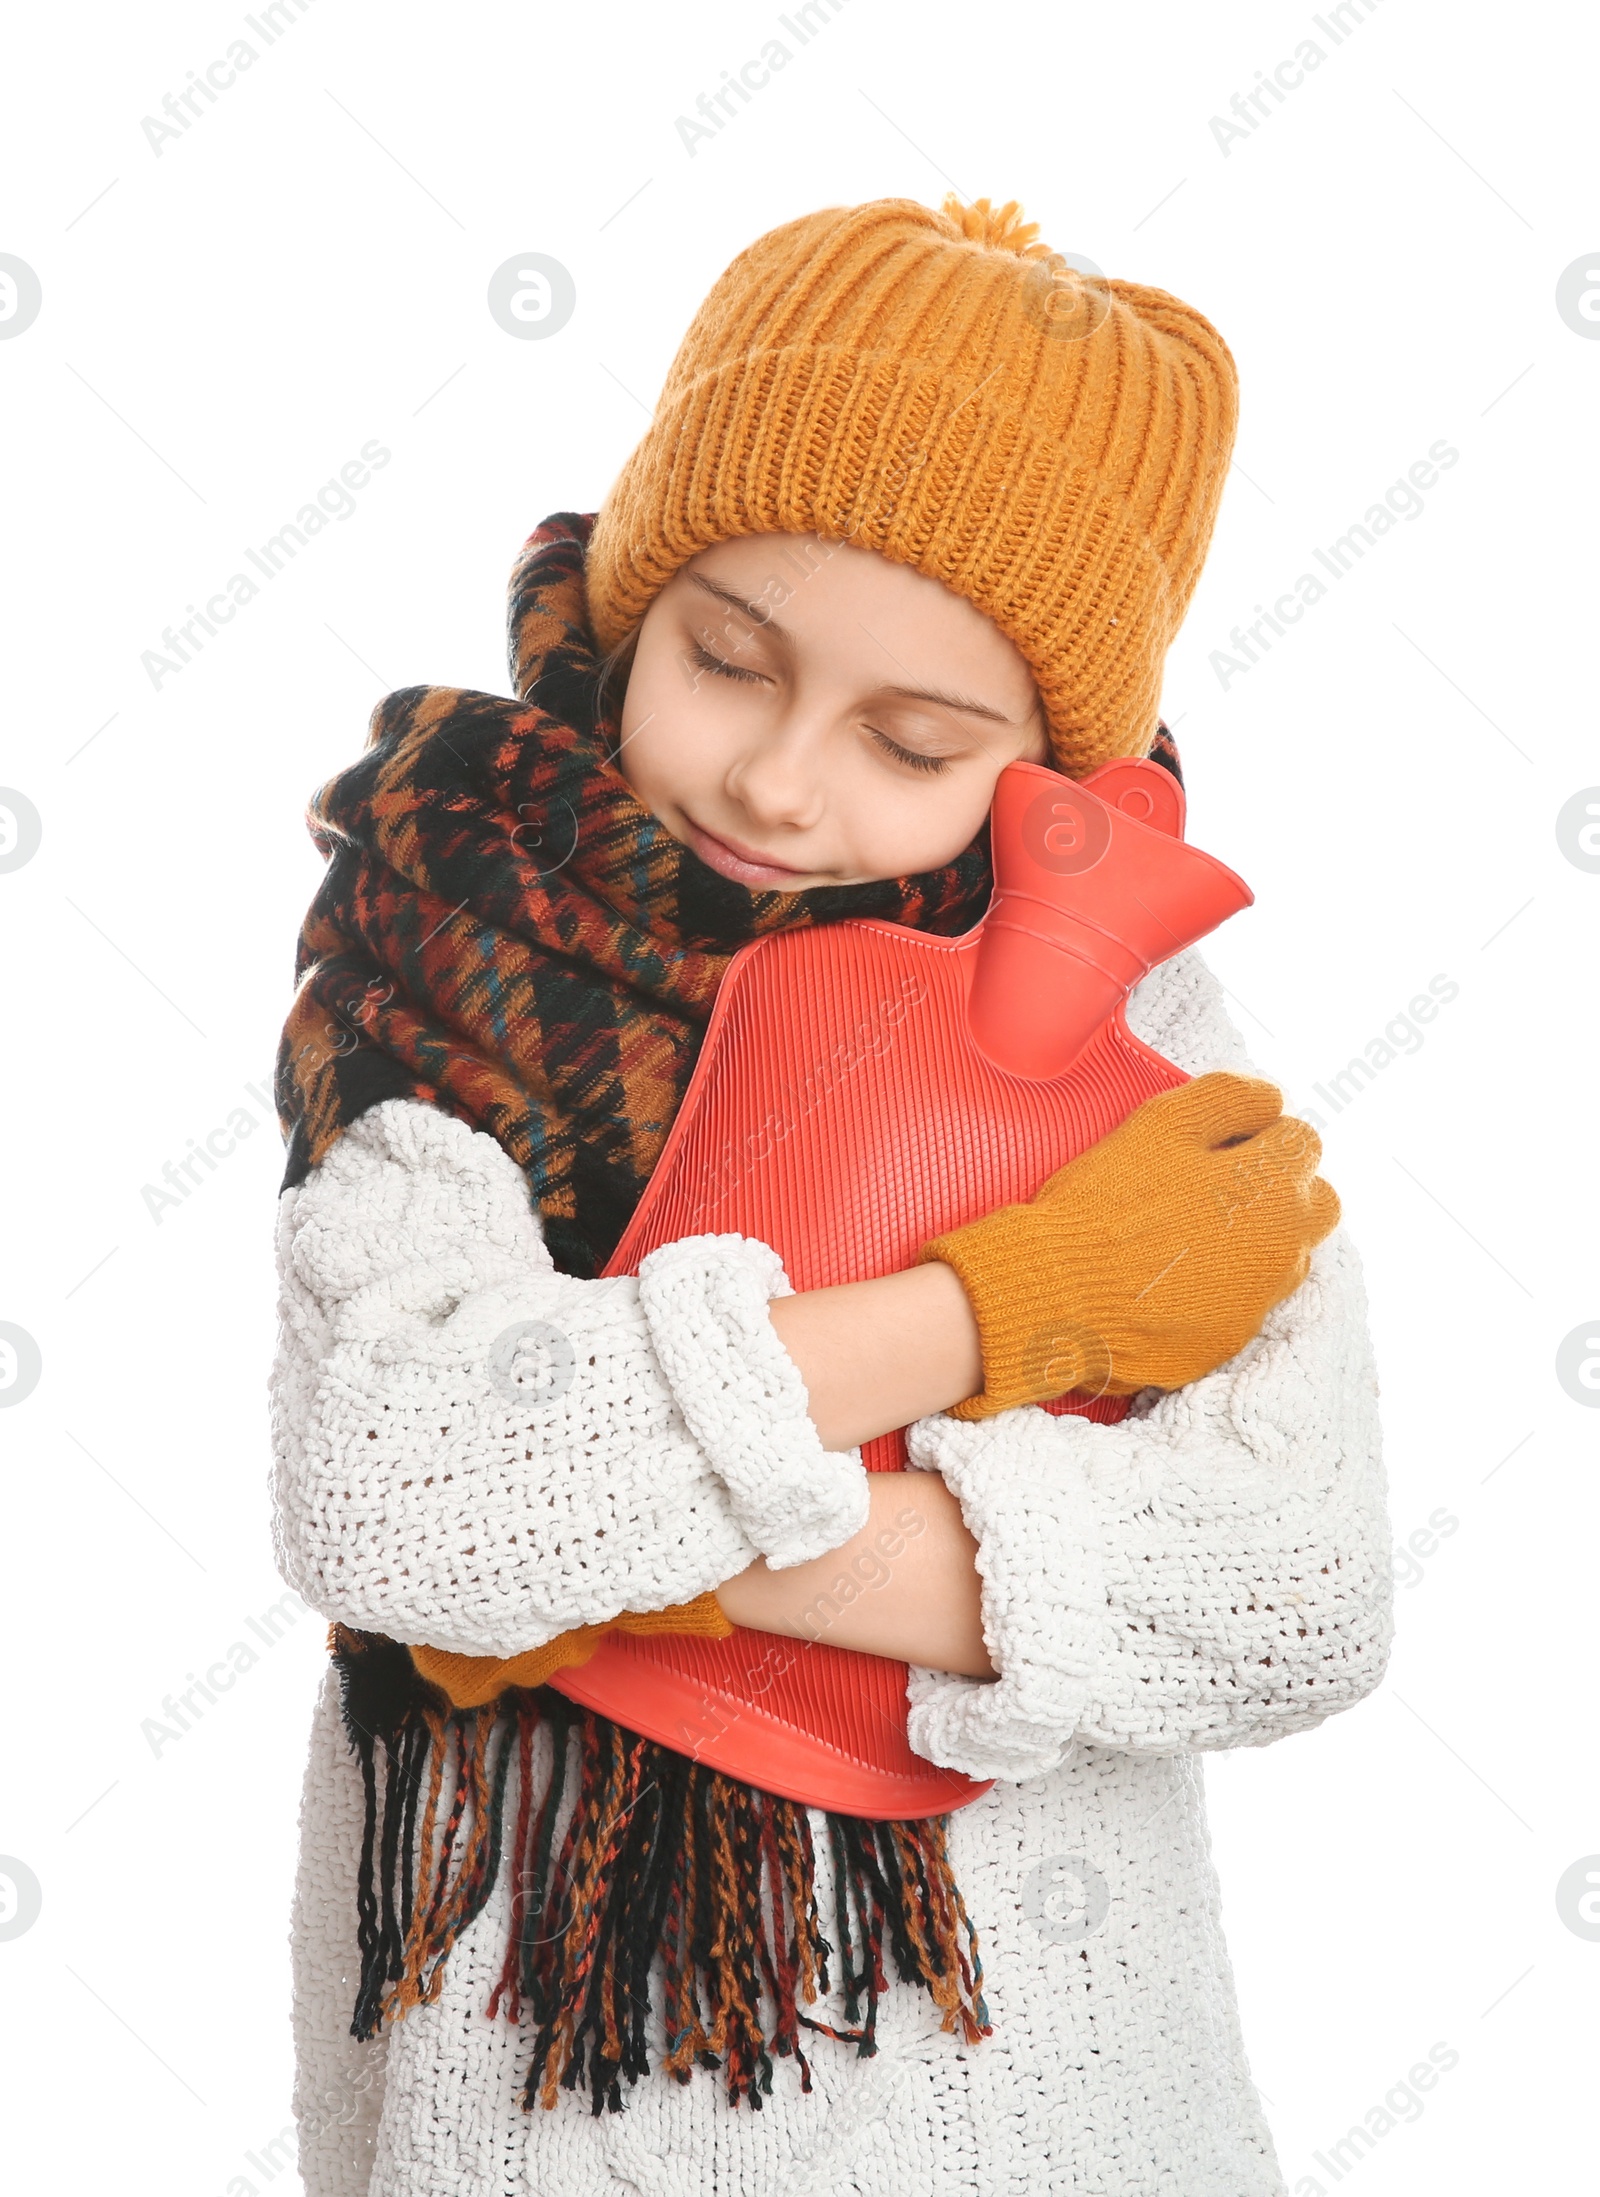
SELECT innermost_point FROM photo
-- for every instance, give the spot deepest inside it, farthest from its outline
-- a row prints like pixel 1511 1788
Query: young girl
pixel 917 501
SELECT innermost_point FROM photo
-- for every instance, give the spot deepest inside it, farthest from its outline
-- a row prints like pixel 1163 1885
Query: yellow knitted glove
pixel 1154 1256
pixel 471 1680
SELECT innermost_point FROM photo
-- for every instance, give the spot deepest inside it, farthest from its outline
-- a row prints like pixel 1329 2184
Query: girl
pixel 917 501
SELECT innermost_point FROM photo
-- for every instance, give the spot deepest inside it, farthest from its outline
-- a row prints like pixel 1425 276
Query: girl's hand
pixel 472 1680
pixel 1154 1256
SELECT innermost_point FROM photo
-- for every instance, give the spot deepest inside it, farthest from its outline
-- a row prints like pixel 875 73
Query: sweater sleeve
pixel 476 1451
pixel 1213 1572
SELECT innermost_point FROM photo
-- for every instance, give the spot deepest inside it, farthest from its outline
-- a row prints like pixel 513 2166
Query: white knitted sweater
pixel 1214 1572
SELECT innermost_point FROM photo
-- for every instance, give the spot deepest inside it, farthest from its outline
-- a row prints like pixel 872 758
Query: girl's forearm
pixel 876 1355
pixel 906 1586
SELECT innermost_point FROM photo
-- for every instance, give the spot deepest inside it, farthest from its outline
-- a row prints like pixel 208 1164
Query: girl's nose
pixel 781 777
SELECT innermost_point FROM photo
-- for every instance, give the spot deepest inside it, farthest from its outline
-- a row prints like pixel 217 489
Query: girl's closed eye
pixel 909 755
pixel 704 660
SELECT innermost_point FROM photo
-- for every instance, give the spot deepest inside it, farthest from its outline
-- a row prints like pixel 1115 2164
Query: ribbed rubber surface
pixel 866 1144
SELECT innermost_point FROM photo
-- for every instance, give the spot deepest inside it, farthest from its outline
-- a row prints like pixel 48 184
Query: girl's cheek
pixel 910 850
pixel 678 752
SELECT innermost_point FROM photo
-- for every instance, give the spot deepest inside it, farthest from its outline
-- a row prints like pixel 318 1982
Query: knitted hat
pixel 941 388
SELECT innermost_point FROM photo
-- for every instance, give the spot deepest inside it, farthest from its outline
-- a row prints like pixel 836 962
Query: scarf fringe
pixel 661 1855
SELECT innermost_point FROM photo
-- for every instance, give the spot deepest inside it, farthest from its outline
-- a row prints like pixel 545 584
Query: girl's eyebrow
pixel 735 601
pixel 769 624
pixel 963 702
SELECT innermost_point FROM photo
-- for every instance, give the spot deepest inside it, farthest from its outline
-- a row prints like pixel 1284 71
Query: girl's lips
pixel 720 856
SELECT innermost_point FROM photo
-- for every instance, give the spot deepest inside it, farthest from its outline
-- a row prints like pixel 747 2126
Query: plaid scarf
pixel 506 932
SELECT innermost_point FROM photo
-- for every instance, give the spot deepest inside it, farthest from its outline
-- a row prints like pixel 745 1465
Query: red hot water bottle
pixel 862 1087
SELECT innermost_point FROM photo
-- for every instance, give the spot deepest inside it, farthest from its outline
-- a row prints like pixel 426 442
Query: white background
pixel 225 323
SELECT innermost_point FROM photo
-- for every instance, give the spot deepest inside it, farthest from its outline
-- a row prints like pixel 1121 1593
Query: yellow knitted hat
pixel 943 389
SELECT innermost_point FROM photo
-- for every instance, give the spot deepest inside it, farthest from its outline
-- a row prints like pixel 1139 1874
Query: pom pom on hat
pixel 1001 228
pixel 998 227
